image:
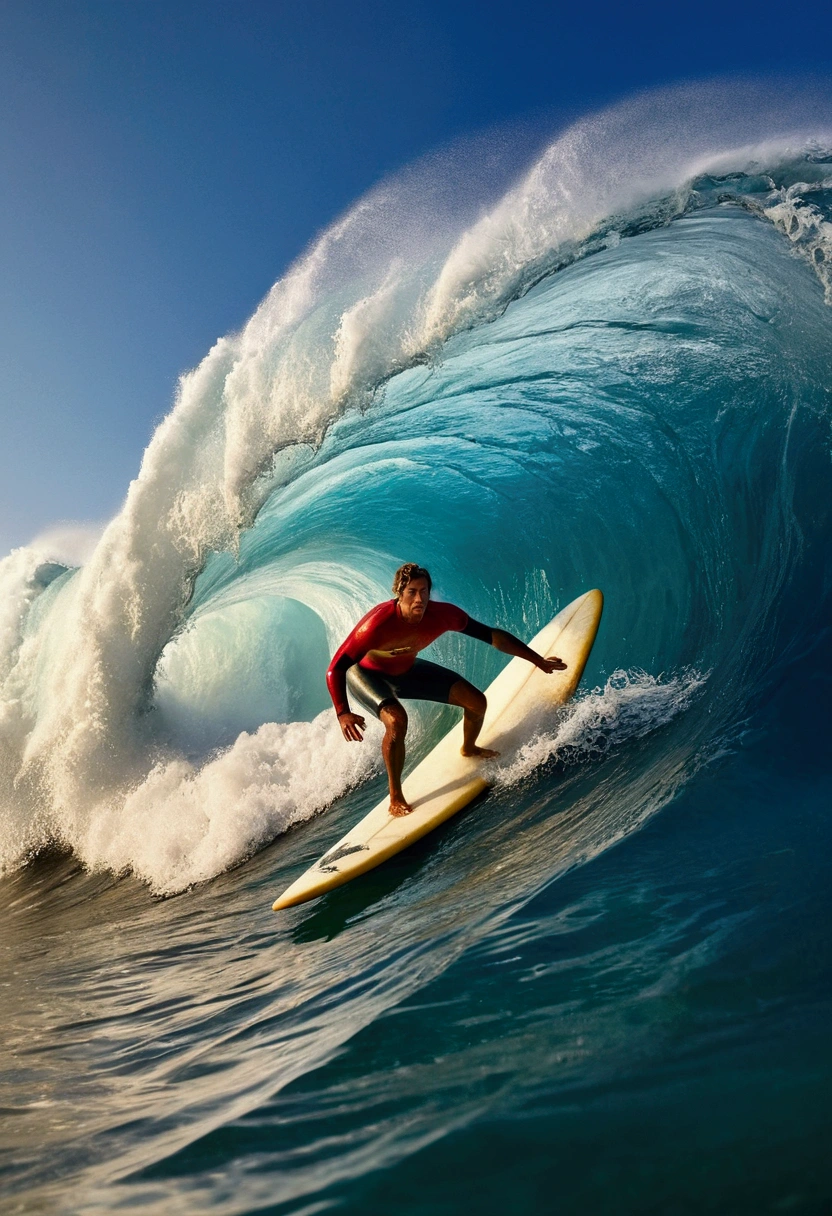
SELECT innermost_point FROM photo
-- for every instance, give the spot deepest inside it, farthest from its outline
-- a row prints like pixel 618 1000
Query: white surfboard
pixel 444 782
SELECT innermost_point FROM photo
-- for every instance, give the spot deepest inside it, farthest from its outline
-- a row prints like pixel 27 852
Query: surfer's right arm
pixel 336 681
pixel 351 651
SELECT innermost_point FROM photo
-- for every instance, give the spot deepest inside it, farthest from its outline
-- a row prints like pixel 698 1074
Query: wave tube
pixel 616 376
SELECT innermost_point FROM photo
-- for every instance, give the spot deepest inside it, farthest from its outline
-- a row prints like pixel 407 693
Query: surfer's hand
pixel 351 727
pixel 552 663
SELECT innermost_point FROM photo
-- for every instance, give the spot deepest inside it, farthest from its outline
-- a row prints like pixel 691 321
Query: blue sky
pixel 162 162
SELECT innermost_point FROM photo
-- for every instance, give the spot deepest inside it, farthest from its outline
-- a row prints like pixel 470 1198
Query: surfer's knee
pixel 475 702
pixel 394 718
pixel 469 698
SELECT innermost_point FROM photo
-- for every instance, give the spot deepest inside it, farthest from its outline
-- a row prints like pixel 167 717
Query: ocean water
pixel 605 987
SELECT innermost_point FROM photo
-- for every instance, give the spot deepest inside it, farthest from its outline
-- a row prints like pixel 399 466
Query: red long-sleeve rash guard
pixel 383 641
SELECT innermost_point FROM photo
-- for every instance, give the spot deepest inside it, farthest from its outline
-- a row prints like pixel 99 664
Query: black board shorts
pixel 423 682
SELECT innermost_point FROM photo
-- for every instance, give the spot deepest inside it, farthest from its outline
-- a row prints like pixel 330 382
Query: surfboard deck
pixel 520 699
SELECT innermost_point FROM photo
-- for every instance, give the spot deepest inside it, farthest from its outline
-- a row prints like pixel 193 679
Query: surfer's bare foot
pixel 481 753
pixel 399 807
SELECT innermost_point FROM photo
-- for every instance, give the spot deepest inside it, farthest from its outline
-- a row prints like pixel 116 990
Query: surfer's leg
pixel 377 692
pixel 474 703
pixel 394 720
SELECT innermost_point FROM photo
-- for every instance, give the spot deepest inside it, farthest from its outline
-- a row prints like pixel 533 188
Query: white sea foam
pixel 183 823
pixel 631 704
pixel 18 588
pixel 794 213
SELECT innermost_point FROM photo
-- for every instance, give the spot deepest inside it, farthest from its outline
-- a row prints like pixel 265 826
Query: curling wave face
pixel 616 376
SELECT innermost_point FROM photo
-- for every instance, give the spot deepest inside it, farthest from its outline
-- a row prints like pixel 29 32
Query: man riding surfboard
pixel 378 664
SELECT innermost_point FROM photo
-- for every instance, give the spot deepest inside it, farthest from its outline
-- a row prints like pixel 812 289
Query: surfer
pixel 378 664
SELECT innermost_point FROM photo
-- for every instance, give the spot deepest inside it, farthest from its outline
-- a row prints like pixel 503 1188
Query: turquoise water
pixel 604 987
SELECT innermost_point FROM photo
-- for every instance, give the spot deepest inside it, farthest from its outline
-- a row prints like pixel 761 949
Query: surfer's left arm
pixel 507 643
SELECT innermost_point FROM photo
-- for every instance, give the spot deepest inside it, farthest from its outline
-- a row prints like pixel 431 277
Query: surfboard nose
pixel 287 900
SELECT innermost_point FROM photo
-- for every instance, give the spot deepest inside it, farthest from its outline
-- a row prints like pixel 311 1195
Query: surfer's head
pixel 411 589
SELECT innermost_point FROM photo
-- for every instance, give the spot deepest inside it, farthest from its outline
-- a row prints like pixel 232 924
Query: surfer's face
pixel 414 599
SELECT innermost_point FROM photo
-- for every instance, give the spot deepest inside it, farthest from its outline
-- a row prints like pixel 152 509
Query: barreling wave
pixel 612 372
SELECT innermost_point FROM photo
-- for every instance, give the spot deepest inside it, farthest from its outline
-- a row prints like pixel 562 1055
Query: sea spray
pixel 631 704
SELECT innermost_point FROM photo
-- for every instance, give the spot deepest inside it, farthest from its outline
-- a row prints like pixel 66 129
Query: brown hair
pixel 405 574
